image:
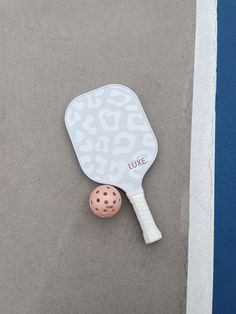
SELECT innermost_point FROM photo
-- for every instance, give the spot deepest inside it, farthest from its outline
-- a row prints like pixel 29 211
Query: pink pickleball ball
pixel 105 201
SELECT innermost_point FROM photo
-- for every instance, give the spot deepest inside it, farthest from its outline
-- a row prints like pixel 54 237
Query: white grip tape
pixel 150 231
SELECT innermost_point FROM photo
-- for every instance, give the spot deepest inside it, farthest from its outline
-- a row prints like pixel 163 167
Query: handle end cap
pixel 151 237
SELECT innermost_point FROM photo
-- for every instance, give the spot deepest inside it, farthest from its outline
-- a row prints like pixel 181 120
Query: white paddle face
pixel 111 136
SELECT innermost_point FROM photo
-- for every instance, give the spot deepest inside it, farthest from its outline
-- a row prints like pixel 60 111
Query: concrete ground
pixel 56 257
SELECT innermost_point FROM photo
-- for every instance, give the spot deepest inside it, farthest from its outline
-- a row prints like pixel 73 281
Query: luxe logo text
pixel 137 163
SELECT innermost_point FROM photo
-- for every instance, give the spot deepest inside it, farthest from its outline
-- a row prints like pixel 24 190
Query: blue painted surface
pixel 224 297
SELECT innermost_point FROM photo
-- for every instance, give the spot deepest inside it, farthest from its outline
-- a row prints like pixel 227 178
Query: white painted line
pixel 201 219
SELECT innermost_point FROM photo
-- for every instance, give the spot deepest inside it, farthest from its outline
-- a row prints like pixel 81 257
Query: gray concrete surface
pixel 56 257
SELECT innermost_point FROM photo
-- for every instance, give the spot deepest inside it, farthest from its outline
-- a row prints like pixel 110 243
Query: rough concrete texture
pixel 56 256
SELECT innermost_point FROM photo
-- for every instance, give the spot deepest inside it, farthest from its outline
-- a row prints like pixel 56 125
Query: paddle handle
pixel 150 231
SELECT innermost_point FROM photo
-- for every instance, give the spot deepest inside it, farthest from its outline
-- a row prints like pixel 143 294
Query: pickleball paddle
pixel 115 144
